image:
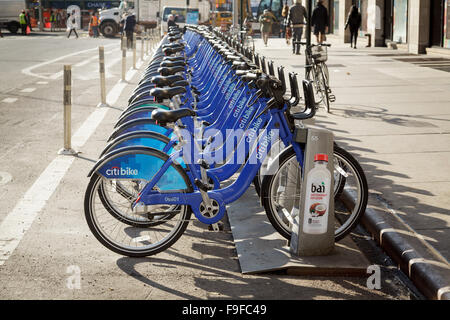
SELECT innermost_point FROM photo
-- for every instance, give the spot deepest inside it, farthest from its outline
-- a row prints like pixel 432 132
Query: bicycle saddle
pixel 171 64
pixel 181 83
pixel 166 92
pixel 165 71
pixel 162 81
pixel 173 45
pixel 232 57
pixel 174 59
pixel 169 51
pixel 175 38
pixel 169 116
pixel 240 65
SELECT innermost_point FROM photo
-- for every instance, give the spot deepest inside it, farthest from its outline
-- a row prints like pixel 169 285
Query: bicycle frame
pixel 276 121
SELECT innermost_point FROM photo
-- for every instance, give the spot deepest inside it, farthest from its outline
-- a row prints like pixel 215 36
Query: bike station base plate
pixel 261 248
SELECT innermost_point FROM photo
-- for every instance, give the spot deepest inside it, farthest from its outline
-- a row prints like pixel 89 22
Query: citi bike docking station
pixel 202 126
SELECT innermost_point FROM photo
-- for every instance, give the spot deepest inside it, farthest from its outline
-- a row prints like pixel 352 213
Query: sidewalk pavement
pixel 394 117
pixel 59 246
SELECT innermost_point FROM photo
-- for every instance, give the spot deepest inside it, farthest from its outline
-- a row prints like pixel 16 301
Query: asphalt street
pixel 57 247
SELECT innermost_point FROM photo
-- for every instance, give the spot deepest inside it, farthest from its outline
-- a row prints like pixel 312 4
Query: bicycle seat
pixel 174 38
pixel 173 45
pixel 166 92
pixel 181 83
pixel 171 64
pixel 162 81
pixel 169 51
pixel 240 65
pixel 232 57
pixel 165 71
pixel 169 116
pixel 173 59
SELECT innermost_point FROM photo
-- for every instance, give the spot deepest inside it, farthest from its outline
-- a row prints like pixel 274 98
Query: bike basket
pixel 319 53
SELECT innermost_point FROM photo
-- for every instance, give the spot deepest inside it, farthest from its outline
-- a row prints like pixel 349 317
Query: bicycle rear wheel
pixel 281 190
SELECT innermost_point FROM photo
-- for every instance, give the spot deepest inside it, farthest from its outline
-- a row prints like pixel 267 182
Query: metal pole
pixel 41 17
pixel 134 50
pixel 101 61
pixel 124 58
pixel 308 23
pixel 308 31
pixel 142 46
pixel 67 101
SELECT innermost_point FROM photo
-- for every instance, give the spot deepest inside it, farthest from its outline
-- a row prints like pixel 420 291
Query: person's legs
pixel 299 38
pixel 24 29
pixel 129 35
pixel 75 31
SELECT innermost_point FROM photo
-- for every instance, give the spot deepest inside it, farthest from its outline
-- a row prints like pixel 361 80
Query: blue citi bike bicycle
pixel 145 187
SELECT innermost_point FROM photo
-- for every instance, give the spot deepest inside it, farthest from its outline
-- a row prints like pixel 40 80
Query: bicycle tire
pixel 283 228
pixel 174 228
pixel 325 92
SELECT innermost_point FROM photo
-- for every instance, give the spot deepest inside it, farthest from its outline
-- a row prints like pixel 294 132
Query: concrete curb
pixel 428 273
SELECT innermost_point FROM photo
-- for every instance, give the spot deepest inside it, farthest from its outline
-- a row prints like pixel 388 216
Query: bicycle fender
pixel 141 163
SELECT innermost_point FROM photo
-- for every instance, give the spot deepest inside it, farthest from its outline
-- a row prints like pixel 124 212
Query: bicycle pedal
pixel 216 227
pixel 332 98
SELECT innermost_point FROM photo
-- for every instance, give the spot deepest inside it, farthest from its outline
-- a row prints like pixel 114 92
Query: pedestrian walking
pixel 248 25
pixel 28 19
pixel 72 24
pixel 23 22
pixel 297 19
pixel 284 21
pixel 266 20
pixel 52 21
pixel 94 24
pixel 319 20
pixel 130 24
pixel 354 23
pixel 58 20
pixel 171 21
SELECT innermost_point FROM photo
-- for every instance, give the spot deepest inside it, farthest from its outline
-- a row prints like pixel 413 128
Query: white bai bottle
pixel 318 182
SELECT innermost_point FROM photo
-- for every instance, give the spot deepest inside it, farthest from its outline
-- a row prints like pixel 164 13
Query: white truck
pixel 9 14
pixel 189 11
pixel 148 13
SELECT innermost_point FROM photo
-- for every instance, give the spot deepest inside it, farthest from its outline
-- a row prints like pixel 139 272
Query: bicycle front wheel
pixel 324 86
pixel 142 230
pixel 281 191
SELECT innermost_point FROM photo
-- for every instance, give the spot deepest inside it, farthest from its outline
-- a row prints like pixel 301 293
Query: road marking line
pixel 9 100
pixel 20 219
pixel 42 82
pixel 5 177
pixel 28 71
pixel 28 90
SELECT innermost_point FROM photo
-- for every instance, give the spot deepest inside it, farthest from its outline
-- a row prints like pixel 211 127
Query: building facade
pixel 413 24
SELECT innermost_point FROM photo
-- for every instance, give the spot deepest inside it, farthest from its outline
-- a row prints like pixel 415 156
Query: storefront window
pixel 400 21
pixel 447 24
pixel 336 16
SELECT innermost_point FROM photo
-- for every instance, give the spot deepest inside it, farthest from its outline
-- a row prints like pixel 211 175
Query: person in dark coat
pixel 130 24
pixel 171 21
pixel 319 20
pixel 354 22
